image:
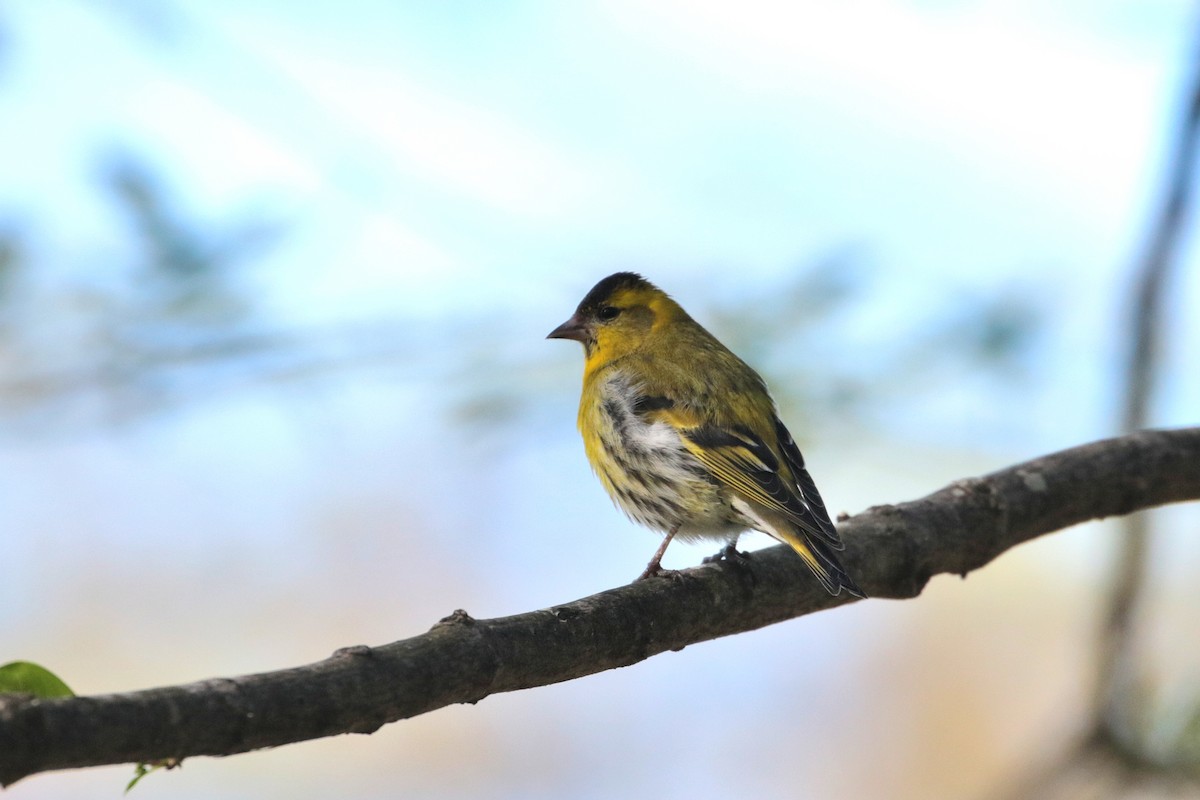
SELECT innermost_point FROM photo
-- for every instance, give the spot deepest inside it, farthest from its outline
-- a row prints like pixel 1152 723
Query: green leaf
pixel 25 677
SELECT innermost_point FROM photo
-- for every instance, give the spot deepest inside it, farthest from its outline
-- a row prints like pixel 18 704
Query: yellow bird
pixel 684 435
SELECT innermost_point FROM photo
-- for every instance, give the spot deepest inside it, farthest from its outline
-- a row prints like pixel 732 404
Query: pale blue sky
pixel 449 145
pixel 433 159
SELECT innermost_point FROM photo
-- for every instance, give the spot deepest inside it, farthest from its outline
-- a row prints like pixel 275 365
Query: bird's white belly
pixel 651 475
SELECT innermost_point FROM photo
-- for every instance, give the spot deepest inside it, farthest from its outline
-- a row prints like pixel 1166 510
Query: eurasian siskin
pixel 684 435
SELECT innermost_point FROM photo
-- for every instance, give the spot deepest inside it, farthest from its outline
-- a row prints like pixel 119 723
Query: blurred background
pixel 274 282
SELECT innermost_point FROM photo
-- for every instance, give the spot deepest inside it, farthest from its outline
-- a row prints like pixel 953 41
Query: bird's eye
pixel 608 313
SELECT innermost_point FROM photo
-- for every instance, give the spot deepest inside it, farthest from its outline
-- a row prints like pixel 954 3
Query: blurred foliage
pixel 188 268
pixel 109 342
pixel 181 322
pixel 10 256
pixel 807 340
pixel 1186 743
pixel 178 322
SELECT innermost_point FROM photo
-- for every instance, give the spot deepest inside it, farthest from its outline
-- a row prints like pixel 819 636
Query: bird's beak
pixel 574 328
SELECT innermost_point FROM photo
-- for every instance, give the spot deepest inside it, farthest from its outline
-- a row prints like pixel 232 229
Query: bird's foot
pixel 729 555
pixel 736 559
pixel 657 570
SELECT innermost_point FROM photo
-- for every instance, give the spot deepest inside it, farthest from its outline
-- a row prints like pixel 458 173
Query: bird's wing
pixel 741 460
pixel 805 484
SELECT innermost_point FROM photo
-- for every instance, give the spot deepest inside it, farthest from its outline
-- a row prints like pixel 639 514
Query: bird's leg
pixel 655 565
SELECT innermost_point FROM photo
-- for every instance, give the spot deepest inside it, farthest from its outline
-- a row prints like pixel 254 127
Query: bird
pixel 685 436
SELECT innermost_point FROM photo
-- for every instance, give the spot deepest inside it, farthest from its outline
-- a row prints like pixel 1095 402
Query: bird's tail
pixel 822 560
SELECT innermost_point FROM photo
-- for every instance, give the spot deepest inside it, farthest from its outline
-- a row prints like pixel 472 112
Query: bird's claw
pixel 657 571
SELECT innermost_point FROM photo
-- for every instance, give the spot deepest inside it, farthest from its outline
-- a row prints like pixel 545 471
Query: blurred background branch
pixel 1131 745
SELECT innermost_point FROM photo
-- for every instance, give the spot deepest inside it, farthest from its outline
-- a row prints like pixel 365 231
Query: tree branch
pixel 891 550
